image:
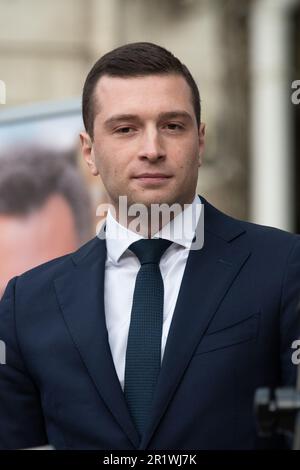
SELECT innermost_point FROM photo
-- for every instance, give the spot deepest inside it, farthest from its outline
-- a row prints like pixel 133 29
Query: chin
pixel 147 200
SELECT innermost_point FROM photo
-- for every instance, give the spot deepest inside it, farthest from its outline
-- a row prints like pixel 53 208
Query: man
pixel 140 339
pixel 44 210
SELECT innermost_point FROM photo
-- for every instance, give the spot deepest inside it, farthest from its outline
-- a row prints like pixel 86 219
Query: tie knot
pixel 150 250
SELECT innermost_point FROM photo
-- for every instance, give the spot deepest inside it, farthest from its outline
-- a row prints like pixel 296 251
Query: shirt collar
pixel 180 230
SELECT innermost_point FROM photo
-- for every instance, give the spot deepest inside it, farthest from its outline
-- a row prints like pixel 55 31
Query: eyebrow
pixel 134 117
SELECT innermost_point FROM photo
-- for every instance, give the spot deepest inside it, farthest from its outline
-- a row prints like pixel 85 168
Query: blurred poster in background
pixel 47 199
pixel 54 125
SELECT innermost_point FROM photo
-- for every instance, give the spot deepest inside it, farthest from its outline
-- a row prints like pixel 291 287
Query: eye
pixel 173 126
pixel 124 130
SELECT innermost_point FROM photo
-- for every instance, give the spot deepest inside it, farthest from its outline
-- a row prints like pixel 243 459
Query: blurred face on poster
pixel 29 240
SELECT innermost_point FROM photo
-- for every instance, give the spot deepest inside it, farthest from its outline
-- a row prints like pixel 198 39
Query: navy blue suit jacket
pixel 232 330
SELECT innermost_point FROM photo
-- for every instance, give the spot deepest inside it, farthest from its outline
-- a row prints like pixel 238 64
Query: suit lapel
pixel 208 275
pixel 80 295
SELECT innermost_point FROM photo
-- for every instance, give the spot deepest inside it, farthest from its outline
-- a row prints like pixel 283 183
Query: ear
pixel 88 152
pixel 202 130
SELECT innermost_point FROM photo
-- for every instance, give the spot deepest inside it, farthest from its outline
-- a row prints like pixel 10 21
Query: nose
pixel 151 147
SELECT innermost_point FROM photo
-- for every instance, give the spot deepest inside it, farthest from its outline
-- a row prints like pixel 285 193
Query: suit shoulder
pixel 272 243
pixel 272 235
pixel 259 236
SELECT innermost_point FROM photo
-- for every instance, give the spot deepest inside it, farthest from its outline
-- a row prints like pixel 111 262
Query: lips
pixel 152 179
pixel 152 175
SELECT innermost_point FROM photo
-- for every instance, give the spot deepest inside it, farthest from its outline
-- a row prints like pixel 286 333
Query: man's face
pixel 30 240
pixel 145 126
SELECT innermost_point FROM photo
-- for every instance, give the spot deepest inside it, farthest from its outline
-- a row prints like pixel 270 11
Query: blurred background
pixel 244 55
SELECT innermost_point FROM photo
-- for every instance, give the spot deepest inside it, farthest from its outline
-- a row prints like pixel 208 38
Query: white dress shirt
pixel 121 269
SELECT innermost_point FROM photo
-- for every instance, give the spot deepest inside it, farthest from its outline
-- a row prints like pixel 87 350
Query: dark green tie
pixel 143 355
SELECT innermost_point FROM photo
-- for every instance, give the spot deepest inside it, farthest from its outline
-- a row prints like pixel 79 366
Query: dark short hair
pixel 133 60
pixel 29 176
